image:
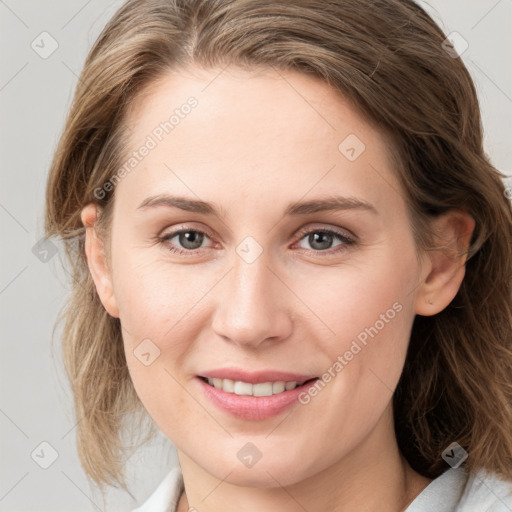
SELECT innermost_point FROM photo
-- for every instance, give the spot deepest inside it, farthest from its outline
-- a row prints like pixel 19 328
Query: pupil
pixel 315 237
pixel 191 239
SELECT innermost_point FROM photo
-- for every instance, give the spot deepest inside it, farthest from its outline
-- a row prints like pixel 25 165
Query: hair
pixel 384 57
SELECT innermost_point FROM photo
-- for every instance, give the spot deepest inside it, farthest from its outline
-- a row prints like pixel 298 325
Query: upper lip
pixel 238 374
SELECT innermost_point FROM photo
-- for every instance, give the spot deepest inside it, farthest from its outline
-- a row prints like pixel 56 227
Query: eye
pixel 189 239
pixel 321 240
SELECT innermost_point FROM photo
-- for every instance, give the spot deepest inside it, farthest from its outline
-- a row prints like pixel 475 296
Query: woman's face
pixel 266 284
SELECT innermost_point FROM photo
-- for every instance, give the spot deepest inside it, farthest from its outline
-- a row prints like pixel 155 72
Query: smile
pixel 238 387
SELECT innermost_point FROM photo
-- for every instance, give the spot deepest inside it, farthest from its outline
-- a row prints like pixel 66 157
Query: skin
pixel 256 142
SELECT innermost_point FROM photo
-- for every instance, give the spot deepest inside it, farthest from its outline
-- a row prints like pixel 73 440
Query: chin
pixel 274 471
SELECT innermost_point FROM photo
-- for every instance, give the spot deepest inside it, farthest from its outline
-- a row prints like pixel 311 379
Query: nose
pixel 254 305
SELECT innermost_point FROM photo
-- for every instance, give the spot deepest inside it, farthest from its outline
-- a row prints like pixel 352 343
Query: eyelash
pixel 347 241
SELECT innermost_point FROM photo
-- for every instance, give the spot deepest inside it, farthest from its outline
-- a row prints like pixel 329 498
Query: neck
pixel 374 476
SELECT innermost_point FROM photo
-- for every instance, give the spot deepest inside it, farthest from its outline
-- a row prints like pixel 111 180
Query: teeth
pixel 278 387
pixel 241 388
pixel 227 385
pixel 246 388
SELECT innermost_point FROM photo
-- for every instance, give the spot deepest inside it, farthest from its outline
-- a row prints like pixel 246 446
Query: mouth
pixel 261 389
pixel 254 395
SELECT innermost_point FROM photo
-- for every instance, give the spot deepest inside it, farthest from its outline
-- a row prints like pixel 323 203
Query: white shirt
pixel 453 491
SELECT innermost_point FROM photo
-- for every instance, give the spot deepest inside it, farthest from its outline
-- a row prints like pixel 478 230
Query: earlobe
pixel 445 265
pixel 97 262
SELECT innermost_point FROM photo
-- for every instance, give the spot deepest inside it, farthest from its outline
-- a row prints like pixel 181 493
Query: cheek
pixel 155 340
pixel 364 301
pixel 369 310
pixel 152 297
pixel 157 304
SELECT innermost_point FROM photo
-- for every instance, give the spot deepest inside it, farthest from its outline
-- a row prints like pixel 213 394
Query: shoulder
pixel 166 495
pixel 456 490
pixel 486 491
pixel 442 494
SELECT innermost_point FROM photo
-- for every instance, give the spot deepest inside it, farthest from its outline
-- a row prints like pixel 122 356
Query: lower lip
pixel 251 407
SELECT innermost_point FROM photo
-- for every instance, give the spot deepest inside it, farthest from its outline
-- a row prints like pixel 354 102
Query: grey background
pixel 35 94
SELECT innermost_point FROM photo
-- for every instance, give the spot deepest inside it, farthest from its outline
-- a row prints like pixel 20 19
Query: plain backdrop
pixel 37 425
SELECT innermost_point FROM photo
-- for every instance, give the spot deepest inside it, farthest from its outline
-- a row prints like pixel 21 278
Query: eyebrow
pixel 335 203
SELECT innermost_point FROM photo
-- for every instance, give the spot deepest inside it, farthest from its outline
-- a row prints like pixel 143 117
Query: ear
pixel 445 265
pixel 97 261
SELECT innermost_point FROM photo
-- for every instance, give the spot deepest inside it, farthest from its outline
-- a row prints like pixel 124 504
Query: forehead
pixel 235 97
pixel 256 133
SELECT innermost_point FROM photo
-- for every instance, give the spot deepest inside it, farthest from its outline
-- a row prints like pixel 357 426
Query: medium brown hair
pixel 386 58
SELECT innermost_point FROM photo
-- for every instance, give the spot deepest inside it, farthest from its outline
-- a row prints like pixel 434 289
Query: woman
pixel 291 251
